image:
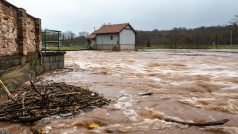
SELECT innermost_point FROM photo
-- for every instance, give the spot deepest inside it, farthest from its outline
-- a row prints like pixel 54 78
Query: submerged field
pixel 189 86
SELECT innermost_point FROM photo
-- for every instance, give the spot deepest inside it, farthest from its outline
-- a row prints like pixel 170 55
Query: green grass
pixel 153 47
pixel 80 48
pixel 189 47
pixel 67 48
pixel 224 47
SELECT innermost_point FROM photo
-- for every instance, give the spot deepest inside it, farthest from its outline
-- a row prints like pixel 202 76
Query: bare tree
pixel 234 21
pixel 68 37
pixel 83 34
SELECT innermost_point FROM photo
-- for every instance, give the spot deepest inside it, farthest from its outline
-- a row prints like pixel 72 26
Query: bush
pixel 115 48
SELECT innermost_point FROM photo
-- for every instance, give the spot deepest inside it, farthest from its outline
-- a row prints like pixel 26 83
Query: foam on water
pixel 126 104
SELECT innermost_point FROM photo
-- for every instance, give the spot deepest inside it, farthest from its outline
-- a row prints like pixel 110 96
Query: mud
pixel 189 86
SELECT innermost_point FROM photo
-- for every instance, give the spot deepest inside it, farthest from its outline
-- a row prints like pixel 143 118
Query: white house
pixel 113 37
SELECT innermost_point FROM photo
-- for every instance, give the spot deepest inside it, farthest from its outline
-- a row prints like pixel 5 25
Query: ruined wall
pixel 8 30
pixel 30 34
pixel 20 33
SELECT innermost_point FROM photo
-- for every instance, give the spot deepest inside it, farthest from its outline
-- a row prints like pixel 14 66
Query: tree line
pixel 201 37
pixel 71 39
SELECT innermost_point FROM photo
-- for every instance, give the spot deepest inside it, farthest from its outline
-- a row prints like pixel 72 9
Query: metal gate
pixel 51 37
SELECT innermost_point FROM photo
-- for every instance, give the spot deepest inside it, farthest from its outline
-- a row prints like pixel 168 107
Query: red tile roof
pixel 109 29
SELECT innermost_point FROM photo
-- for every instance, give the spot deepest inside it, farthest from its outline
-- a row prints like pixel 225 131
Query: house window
pixel 111 37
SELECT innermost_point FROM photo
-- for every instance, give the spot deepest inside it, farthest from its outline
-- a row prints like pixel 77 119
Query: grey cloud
pixel 84 15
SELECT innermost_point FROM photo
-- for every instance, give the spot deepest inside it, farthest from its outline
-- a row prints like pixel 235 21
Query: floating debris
pixel 40 101
pixel 146 94
pixel 212 123
pixel 94 126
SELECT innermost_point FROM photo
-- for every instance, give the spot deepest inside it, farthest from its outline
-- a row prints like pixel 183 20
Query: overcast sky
pixel 84 15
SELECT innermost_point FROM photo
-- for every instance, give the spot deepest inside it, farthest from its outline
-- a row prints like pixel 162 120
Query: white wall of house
pixel 105 42
pixel 127 39
pixel 106 39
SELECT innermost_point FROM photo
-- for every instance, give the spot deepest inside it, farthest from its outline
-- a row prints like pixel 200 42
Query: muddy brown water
pixel 187 86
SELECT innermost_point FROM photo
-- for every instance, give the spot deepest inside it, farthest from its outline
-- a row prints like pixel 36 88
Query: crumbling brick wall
pixel 8 30
pixel 30 34
pixel 20 33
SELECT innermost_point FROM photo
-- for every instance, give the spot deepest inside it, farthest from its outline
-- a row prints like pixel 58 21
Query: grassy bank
pixel 188 47
pixel 67 48
pixel 80 48
pixel 223 47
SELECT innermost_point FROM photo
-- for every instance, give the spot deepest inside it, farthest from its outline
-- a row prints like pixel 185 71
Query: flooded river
pixel 189 86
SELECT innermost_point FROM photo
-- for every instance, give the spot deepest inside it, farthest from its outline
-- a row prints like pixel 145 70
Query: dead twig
pixel 23 102
pixel 33 86
pixel 6 91
pixel 118 98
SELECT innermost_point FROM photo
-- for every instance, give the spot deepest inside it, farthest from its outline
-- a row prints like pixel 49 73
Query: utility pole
pixel 216 40
pixel 163 39
pixel 231 37
pixel 175 38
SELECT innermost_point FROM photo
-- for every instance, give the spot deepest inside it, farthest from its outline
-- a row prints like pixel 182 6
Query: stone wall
pixel 32 67
pixel 30 34
pixel 9 62
pixel 8 29
pixel 20 33
pixel 53 60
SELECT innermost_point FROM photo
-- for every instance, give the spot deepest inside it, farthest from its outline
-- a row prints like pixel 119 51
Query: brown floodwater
pixel 190 86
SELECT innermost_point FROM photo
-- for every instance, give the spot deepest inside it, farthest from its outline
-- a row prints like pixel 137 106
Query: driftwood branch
pixel 6 91
pixel 146 94
pixel 215 123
